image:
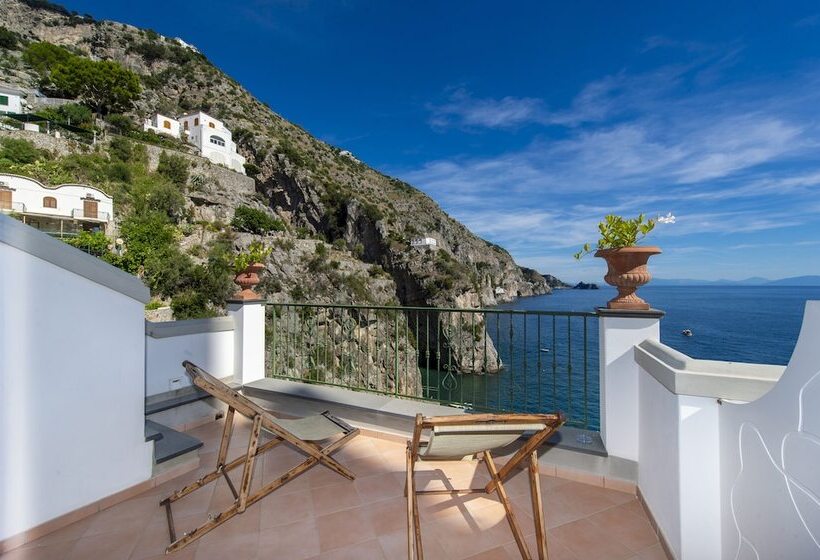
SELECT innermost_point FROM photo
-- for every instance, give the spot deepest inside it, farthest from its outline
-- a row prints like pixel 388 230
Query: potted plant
pixel 626 261
pixel 247 266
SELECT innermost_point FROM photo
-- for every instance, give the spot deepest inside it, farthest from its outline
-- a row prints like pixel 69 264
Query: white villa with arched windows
pixel 163 125
pixel 208 134
pixel 63 210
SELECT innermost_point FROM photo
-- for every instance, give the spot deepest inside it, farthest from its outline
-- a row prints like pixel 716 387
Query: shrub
pixel 121 149
pixel 119 171
pixel 153 304
pixel 19 151
pixel 252 170
pixel 43 57
pixel 72 114
pixel 252 220
pixel 174 168
pixel 150 51
pixel 8 39
pixel 93 243
pixel 191 305
pixel 121 123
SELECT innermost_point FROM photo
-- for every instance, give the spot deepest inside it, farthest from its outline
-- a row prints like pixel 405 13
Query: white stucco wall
pixel 213 351
pixel 619 380
pixel 678 467
pixel 200 128
pixel 157 123
pixel 15 103
pixel 770 461
pixel 71 382
pixel 69 197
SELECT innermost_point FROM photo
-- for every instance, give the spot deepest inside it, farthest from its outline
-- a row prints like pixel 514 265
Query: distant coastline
pixel 796 281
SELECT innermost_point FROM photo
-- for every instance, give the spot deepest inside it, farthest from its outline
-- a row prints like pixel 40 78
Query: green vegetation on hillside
pixel 103 85
pixel 153 208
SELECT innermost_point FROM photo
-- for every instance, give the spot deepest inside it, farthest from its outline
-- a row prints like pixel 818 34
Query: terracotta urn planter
pixel 247 280
pixel 627 272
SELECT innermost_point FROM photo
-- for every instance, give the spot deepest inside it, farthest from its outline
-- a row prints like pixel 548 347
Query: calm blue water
pixel 757 324
pixel 553 364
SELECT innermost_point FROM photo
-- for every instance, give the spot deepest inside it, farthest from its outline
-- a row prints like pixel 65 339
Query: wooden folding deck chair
pixel 303 433
pixel 457 437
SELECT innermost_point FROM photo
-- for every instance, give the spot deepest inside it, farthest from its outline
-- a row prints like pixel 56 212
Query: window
pixel 166 124
pixel 196 121
pixel 49 202
pixel 211 125
pixel 186 125
pixel 217 140
pixel 4 100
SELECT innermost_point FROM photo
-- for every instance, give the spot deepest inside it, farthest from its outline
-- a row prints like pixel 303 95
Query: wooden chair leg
pixel 410 493
pixel 247 473
pixel 505 501
pixel 538 508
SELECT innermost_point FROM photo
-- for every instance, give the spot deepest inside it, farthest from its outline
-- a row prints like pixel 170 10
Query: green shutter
pixel 4 100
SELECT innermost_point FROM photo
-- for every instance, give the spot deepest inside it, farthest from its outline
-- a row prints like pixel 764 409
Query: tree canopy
pixel 104 85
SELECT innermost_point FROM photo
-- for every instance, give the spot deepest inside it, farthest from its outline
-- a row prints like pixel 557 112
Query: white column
pixel 249 340
pixel 699 463
pixel 619 331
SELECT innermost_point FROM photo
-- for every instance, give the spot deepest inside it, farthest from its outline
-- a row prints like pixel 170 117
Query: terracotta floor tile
pixel 66 534
pixel 556 550
pixel 394 545
pixel 138 511
pixel 588 541
pixel 387 516
pixel 632 530
pixel 497 553
pixel 654 552
pixel 368 550
pixel 379 487
pixel 284 509
pixel 108 545
pixel 330 499
pixel 321 515
pixel 343 528
pixel 295 541
pixel 51 551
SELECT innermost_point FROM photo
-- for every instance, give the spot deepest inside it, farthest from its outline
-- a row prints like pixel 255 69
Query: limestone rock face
pixel 313 187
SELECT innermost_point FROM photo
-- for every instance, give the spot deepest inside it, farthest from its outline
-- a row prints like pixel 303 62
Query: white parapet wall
pixel 72 386
pixel 209 343
pixel 680 408
pixel 770 461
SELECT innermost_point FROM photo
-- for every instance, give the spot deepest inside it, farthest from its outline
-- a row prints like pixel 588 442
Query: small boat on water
pixel 544 349
pixel 686 332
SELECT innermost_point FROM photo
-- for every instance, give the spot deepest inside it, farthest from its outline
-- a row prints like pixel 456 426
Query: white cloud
pixel 465 111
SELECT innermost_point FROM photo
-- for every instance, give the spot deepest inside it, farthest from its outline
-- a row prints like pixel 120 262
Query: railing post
pixel 249 339
pixel 618 332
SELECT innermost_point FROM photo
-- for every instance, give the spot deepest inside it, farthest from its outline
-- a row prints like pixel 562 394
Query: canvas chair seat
pixel 449 442
pixel 456 437
pixel 310 428
pixel 302 433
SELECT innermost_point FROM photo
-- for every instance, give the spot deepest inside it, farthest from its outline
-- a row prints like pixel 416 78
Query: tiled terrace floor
pixel 320 515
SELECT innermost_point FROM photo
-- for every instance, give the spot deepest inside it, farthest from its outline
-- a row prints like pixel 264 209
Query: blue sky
pixel 528 121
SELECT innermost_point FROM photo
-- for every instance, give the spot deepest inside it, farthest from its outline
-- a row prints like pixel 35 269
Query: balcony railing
pixel 479 359
pixel 95 215
pixel 12 207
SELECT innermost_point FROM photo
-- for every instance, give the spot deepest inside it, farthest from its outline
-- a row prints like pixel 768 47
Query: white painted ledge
pixel 683 375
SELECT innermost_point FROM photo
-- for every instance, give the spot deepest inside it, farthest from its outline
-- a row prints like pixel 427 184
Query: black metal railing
pixel 479 359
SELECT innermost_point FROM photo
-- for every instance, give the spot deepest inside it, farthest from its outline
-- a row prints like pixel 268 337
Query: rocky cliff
pixel 316 189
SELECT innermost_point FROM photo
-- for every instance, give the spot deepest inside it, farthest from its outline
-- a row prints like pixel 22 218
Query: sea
pixel 551 363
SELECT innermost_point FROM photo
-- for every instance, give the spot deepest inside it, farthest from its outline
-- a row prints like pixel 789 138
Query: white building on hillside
pixel 162 125
pixel 11 100
pixel 213 140
pixel 63 210
pixel 423 242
